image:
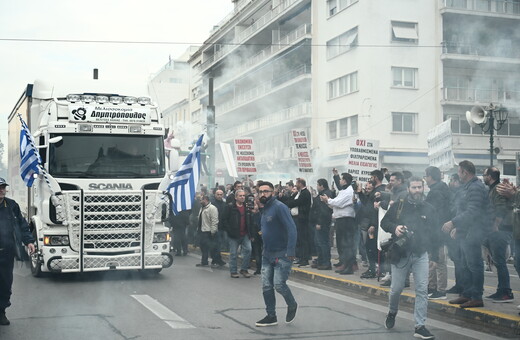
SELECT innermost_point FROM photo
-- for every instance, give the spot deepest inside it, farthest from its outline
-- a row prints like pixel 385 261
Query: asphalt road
pixel 187 302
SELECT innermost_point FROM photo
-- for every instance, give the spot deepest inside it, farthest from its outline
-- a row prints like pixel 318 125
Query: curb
pixel 501 322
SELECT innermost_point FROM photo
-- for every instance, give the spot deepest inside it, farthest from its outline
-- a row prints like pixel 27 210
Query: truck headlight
pixel 161 237
pixel 56 240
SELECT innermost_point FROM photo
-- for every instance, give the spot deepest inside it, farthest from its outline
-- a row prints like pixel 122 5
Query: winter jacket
pixel 232 221
pixel 420 219
pixel 209 219
pixel 278 230
pixel 321 213
pixel 473 217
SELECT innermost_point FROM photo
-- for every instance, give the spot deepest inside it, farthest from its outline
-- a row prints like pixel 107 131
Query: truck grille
pixel 111 220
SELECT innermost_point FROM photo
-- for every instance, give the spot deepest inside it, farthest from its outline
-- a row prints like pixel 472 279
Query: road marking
pixel 162 312
pixel 404 315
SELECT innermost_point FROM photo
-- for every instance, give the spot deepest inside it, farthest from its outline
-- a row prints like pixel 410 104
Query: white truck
pixel 99 204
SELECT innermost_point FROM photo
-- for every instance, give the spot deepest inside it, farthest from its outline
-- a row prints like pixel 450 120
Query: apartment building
pixel 360 69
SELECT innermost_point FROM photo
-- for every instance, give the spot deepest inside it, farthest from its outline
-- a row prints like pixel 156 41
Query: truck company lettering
pixel 135 115
pixel 110 186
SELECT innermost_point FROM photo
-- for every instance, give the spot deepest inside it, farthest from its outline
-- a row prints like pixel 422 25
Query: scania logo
pixel 110 186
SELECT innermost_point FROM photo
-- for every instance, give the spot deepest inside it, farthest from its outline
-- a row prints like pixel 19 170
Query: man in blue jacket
pixel 13 230
pixel 279 237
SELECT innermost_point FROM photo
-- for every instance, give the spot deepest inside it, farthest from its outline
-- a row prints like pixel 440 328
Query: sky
pixel 181 23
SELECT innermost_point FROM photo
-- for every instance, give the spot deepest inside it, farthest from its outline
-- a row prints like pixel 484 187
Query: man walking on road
pixel 279 236
pixel 13 231
pixel 412 223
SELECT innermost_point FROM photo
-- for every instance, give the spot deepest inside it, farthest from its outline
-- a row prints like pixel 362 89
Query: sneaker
pixel 202 265
pixel 492 296
pixel 4 321
pixel 423 333
pixel 267 321
pixel 387 283
pixel 369 274
pixel 436 295
pixel 390 320
pixel 235 275
pixel 291 313
pixel 506 297
pixel 245 273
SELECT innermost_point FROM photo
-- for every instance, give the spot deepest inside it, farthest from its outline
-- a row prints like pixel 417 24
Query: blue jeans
pixel 322 240
pixel 517 256
pixel 275 272
pixel 473 267
pixel 418 265
pixel 497 243
pixel 245 243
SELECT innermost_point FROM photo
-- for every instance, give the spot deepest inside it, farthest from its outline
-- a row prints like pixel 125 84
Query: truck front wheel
pixel 36 263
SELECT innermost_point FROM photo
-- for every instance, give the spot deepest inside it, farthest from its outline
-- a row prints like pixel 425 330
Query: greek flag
pixel 184 184
pixel 30 158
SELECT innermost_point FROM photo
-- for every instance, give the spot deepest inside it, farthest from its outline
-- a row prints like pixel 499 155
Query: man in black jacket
pixel 13 231
pixel 440 198
pixel 412 223
pixel 321 218
pixel 239 233
pixel 303 202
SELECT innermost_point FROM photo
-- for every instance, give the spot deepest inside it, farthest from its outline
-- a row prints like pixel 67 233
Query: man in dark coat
pixel 321 218
pixel 302 201
pixel 13 231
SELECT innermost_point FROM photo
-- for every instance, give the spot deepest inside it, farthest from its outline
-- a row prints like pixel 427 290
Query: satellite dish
pixel 476 116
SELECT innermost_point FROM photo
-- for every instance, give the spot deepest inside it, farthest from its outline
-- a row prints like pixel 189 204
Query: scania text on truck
pixel 99 205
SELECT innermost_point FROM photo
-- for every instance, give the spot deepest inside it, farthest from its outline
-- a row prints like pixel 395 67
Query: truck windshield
pixel 107 156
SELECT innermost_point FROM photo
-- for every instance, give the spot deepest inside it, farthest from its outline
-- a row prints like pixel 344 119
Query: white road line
pixel 404 315
pixel 172 319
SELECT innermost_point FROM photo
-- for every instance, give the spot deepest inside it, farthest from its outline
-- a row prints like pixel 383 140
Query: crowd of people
pixel 428 221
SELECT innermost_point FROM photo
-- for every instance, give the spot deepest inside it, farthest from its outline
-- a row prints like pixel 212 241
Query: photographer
pixel 412 223
pixel 238 221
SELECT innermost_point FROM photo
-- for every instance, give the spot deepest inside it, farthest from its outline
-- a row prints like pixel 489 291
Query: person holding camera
pixel 238 222
pixel 412 223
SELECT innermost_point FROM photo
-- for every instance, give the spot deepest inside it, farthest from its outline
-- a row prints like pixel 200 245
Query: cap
pixel 2 181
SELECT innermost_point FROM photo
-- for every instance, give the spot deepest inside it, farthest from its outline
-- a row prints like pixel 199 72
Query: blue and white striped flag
pixel 184 185
pixel 29 156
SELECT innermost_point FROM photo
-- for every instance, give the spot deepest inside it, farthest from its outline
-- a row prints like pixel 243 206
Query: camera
pixel 402 241
pixel 250 202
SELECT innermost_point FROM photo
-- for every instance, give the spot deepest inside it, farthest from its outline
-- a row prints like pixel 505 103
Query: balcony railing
pixel 466 94
pixel 300 111
pixel 262 89
pixel 266 53
pixel 498 50
pixel 249 31
pixel 487 6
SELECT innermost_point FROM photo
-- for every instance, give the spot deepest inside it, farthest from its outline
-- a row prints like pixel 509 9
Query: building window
pixel 344 127
pixel 509 169
pixel 404 77
pixel 342 43
pixel 334 6
pixel 195 116
pixel 342 86
pixel 405 32
pixel 403 122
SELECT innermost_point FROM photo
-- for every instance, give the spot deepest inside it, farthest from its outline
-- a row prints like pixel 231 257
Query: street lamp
pixel 490 118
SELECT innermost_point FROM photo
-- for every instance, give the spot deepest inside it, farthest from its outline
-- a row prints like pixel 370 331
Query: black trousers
pixel 206 246
pixel 303 240
pixel 6 278
pixel 345 236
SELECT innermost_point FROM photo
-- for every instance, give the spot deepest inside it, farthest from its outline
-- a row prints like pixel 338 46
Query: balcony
pixel 259 24
pixel 499 50
pixel 470 96
pixel 494 7
pixel 289 115
pixel 283 43
pixel 262 89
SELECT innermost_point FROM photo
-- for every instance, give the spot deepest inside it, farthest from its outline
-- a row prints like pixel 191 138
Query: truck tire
pixel 35 262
